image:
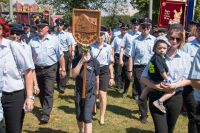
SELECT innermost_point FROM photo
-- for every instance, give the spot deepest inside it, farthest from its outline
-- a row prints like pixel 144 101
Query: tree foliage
pixel 5 1
pixel 197 11
pixel 115 9
pixel 65 7
pixel 142 6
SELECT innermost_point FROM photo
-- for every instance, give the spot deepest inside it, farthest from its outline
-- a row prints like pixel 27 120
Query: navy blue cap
pixel 135 21
pixel 26 25
pixel 16 28
pixel 103 28
pixel 124 26
pixel 145 21
pixel 59 21
pixel 41 22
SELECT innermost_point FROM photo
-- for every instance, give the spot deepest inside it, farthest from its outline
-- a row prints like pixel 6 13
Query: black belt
pixel 139 66
pixel 44 67
pixel 10 93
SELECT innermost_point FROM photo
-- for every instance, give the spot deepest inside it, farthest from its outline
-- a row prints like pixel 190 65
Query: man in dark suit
pixel 27 35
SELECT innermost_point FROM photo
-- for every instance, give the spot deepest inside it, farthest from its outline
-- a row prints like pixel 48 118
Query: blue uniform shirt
pixel 65 39
pixel 191 47
pixel 127 42
pixel 105 55
pixel 116 32
pixel 28 51
pixel 195 69
pixel 142 49
pixel 116 43
pixel 12 66
pixel 46 52
pixel 179 67
pixel 93 70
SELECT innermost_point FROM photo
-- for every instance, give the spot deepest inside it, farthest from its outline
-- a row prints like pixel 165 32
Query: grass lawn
pixel 121 116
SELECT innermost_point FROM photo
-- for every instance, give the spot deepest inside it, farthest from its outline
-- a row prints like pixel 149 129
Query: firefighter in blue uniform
pixel 46 52
pixel 66 41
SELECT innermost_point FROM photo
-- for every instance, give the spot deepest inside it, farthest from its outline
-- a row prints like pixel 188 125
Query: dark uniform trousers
pixel 84 107
pixel 165 123
pixel 118 69
pixel 125 80
pixel 2 128
pixel 62 82
pixel 12 103
pixel 46 77
pixel 192 110
pixel 138 69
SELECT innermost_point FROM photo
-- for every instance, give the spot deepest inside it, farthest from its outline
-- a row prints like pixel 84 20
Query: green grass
pixel 121 116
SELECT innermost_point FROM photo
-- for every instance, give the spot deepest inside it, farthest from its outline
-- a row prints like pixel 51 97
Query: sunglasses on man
pixel 146 26
pixel 59 25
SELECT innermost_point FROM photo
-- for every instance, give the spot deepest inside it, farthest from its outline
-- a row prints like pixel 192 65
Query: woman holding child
pixel 178 63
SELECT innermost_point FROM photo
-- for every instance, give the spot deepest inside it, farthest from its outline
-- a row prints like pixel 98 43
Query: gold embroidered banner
pixel 171 12
pixel 86 25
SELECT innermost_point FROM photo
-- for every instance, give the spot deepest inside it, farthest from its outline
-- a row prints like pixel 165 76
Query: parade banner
pixel 171 12
pixel 86 25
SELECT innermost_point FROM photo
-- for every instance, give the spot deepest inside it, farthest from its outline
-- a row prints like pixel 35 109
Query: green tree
pixel 65 7
pixel 142 6
pixel 5 1
pixel 197 9
pixel 116 10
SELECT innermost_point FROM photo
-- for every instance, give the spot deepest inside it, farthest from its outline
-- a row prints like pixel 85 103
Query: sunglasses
pixel 145 26
pixel 59 25
pixel 173 38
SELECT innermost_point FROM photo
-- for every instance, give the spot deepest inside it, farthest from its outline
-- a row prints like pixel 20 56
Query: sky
pixel 25 1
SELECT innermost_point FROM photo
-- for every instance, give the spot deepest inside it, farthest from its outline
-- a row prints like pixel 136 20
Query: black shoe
pixel 143 120
pixel 61 90
pixel 44 120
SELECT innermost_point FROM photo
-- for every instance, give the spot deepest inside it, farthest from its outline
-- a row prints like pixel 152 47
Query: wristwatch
pixel 31 97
